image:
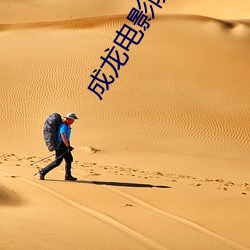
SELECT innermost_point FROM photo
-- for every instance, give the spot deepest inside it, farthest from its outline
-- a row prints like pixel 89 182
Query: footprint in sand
pixel 90 150
pixel 128 205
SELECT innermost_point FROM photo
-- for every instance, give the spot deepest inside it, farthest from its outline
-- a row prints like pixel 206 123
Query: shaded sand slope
pixel 181 103
pixel 8 197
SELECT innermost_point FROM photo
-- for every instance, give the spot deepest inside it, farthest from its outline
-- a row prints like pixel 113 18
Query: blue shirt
pixel 64 128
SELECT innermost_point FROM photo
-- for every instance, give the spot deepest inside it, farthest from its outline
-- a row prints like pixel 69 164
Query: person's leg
pixel 68 160
pixel 52 165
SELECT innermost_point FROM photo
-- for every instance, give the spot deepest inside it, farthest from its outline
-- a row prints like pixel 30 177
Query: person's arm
pixel 66 142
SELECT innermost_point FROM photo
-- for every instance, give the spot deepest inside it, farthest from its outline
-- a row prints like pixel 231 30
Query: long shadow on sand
pixel 122 184
pixel 114 183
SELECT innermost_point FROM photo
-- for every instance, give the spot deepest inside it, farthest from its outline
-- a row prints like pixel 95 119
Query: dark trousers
pixel 67 156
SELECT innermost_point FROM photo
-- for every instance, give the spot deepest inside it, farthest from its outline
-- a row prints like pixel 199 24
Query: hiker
pixel 63 149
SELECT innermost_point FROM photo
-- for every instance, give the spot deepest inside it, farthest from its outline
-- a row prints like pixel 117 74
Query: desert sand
pixel 162 160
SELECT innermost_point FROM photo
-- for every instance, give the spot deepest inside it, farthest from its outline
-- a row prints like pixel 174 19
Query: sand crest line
pixel 96 214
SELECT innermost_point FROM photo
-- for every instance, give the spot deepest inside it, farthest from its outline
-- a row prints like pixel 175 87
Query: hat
pixel 71 116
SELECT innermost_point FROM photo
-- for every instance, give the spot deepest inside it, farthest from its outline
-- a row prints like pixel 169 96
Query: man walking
pixel 63 150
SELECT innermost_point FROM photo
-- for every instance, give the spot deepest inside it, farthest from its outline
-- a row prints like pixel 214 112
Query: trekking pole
pixel 48 157
pixel 41 160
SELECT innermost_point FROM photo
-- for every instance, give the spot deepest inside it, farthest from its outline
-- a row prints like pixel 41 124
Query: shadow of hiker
pixel 122 184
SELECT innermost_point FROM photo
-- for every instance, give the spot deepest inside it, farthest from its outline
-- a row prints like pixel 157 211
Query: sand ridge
pixel 38 11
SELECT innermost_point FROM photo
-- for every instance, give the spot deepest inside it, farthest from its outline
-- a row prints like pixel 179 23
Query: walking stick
pixel 41 160
pixel 46 158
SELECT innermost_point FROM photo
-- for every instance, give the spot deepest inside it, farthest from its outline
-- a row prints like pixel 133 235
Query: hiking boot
pixel 70 178
pixel 41 175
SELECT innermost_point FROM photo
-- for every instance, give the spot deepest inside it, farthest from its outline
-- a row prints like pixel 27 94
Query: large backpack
pixel 50 130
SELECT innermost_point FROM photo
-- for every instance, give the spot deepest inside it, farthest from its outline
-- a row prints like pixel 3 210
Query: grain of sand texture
pixel 162 161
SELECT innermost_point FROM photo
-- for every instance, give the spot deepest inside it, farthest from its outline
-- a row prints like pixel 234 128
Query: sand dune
pixel 38 11
pixel 162 161
pixel 201 111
